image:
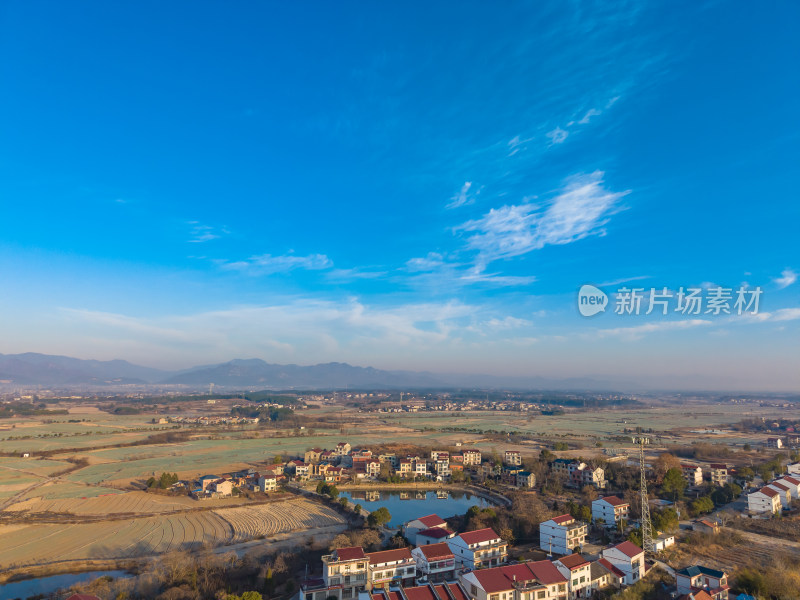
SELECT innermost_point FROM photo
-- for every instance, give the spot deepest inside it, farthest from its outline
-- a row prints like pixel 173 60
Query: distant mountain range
pixel 31 369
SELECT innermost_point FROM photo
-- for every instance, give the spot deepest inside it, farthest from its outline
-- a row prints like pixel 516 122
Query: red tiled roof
pixel 546 572
pixel 351 553
pixel 629 549
pixel 434 532
pixel 615 501
pixel 611 568
pixel 431 520
pixel 479 535
pixel 421 592
pixel 457 592
pixel 573 561
pixel 791 480
pixel 718 466
pixel 432 551
pixel 780 486
pixel 562 519
pixel 386 556
pixel 493 580
pixel 441 589
pixel 768 492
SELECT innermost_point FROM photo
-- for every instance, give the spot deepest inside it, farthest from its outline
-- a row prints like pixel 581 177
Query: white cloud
pixel 463 197
pixel 431 262
pixel 580 210
pixel 787 278
pixel 639 331
pixel 516 144
pixel 341 275
pixel 267 264
pixel 557 135
pixel 592 112
pixel 203 233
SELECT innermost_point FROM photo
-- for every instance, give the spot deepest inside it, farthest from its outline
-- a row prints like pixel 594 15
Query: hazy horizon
pixel 422 192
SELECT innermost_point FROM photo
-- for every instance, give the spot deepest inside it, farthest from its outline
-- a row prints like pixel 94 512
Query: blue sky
pixel 406 186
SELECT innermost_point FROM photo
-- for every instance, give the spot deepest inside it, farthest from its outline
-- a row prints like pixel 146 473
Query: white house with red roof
pixel 524 581
pixel 472 457
pixel 411 528
pixel 692 473
pixel 433 535
pixel 578 572
pixel 793 483
pixel 391 567
pixel 479 549
pixel 561 535
pixel 764 501
pixel 628 558
pixel 784 493
pixel 611 510
pixel 435 563
pixel 604 574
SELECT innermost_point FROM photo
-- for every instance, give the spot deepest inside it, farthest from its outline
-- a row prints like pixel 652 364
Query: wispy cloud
pixel 557 135
pixel 639 331
pixel 581 209
pixel 592 112
pixel 517 144
pixel 267 264
pixel 431 262
pixel 463 197
pixel 787 278
pixel 199 232
pixel 623 280
pixel 345 275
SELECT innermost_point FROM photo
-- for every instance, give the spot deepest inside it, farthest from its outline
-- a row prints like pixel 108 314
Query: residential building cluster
pixel 473 565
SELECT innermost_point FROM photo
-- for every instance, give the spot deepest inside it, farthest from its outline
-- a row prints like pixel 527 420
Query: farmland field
pixel 44 543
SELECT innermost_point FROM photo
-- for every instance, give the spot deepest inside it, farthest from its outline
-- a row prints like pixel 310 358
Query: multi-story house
pixel 692 473
pixel 344 575
pixel 372 467
pixel 526 480
pixel 405 468
pixel 775 443
pixel 434 535
pixel 440 455
pixel 719 474
pixel 628 558
pixel 765 500
pixel 691 580
pixel 539 580
pixel 388 458
pixel 312 456
pixel 342 448
pixel 479 549
pixel 784 493
pixel 604 575
pixel 793 469
pixel 611 510
pixel 302 471
pixel 457 458
pixel 435 563
pixel 413 527
pixel 420 468
pixel 512 457
pixel 561 535
pixel 509 474
pixel 472 457
pixel 268 482
pixel 578 572
pixel 442 469
pixel 391 567
pixel 792 483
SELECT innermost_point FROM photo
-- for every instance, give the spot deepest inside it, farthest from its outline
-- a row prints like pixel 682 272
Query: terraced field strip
pixel 126 538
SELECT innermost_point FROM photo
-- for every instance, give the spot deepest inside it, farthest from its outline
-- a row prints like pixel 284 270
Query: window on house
pixel 541 594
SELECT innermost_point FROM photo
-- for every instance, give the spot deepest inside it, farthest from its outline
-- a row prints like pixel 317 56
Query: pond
pixel 407 505
pixel 48 585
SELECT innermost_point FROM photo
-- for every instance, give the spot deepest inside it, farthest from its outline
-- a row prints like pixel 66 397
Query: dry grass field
pixel 38 544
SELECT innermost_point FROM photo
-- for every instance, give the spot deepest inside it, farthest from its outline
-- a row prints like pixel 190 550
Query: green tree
pixel 704 504
pixel 379 517
pixel 674 484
